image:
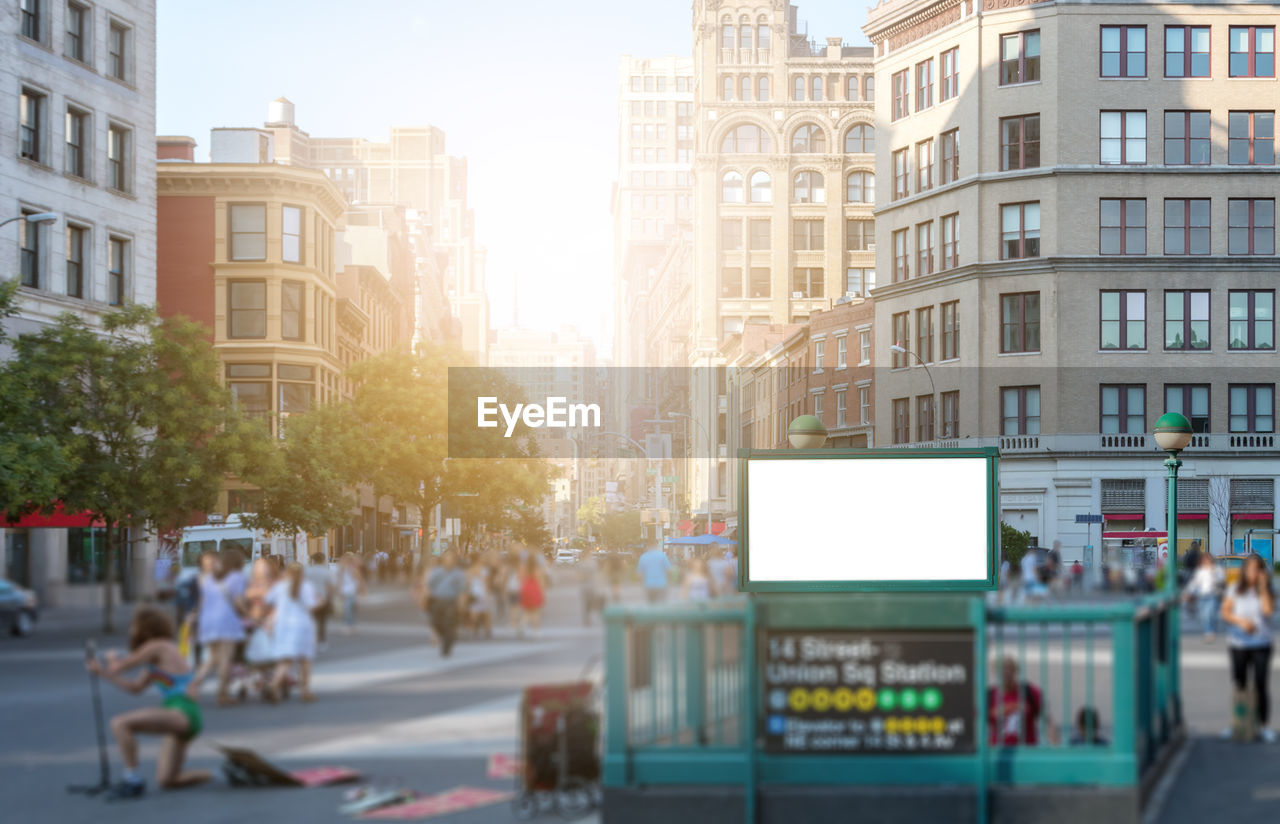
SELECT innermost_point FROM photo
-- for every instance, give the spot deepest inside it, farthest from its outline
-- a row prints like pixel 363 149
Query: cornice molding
pixel 249 180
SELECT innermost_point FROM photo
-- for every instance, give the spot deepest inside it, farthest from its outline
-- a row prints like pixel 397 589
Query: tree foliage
pixel 1014 543
pixel 622 529
pixel 591 515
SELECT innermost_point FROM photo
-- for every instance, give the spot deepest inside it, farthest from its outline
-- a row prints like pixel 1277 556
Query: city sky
pixel 527 92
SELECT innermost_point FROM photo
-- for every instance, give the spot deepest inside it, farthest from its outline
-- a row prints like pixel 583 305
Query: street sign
pixel 869 692
pixel 669 479
pixel 1082 518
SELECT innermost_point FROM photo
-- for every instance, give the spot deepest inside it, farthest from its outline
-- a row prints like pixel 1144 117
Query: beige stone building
pixel 1076 227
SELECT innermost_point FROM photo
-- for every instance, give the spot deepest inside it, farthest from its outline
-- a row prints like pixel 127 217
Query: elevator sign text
pixel 868 692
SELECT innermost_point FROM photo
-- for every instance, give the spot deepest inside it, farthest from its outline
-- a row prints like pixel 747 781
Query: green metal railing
pixel 680 707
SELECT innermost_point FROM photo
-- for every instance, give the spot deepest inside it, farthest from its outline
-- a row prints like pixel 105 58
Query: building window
pixel 817 405
pixel 726 37
pixel 901 94
pixel 859 281
pixel 951 414
pixel 807 282
pixel 949 167
pixel 731 188
pixel 296 387
pixel 924 84
pixel 760 237
pixel 1019 230
pixel 744 87
pixel 1020 410
pixel 797 89
pixel 1186 138
pixel 292 313
pixel 924 334
pixel 859 234
pixel 1186 226
pixel 809 139
pixel 1124 320
pixel 901 179
pixel 77 137
pixel 1020 322
pixel 861 139
pixel 1123 138
pixel 809 187
pixel 29 251
pixel 901 332
pixel 1124 51
pixel 747 139
pixel 760 282
pixel 731 235
pixel 118 51
pixel 75 46
pixel 248 231
pixel 117 266
pixel 1253 51
pixel 247 309
pixel 30 10
pixel 1019 58
pixel 31 126
pixel 842 351
pixel 1251 226
pixel 762 93
pixel 1123 409
pixel 726 88
pixel 901 420
pixel 761 187
pixel 763 35
pixel 1252 407
pixel 119 148
pixel 819 354
pixel 291 234
pixel 901 263
pixel 924 418
pixel 77 244
pixel 861 187
pixel 950 330
pixel 864 405
pixel 1122 226
pixel 1020 142
pixel 869 88
pixel 1186 51
pixel 1186 320
pixel 807 235
pixel 1251 138
pixel 951 241
pixel 864 347
pixel 924 248
pixel 842 407
pixel 1190 400
pixel 1251 319
pixel 950 79
pixel 851 88
pixel 924 165
pixel 744 36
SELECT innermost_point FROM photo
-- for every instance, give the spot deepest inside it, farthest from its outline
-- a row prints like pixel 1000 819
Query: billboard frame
pixel 990 583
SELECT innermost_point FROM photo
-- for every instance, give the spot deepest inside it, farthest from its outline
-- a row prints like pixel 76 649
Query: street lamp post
pixel 1172 434
pixel 35 217
pixel 807 432
pixel 898 348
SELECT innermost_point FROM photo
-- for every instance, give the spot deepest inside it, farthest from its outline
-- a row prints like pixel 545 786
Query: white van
pixel 254 543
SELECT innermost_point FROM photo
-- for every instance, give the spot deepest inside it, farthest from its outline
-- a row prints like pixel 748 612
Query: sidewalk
pixel 1220 780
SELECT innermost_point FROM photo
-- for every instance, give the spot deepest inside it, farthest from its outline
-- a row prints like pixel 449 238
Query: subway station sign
pixel 867 692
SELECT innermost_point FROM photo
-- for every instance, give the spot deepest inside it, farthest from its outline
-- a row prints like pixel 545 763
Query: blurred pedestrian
pixel 178 718
pixel 1088 731
pixel 697 583
pixel 479 601
pixel 1205 588
pixel 655 568
pixel 292 600
pixel 1015 709
pixel 511 589
pixel 1032 586
pixel 349 586
pixel 220 628
pixel 321 579
pixel 260 652
pixel 533 595
pixel 446 586
pixel 1247 611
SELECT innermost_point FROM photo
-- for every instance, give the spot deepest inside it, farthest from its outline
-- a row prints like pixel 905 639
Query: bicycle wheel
pixel 525 806
pixel 573 798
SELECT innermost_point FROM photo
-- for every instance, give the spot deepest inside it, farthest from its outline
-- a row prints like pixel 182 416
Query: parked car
pixel 567 556
pixel 17 608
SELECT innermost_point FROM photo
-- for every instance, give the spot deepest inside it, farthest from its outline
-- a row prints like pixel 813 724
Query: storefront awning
pixel 1252 516
pixel 58 519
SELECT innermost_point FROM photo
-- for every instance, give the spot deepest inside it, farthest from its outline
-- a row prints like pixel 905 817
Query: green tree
pixel 590 515
pixel 1014 543
pixel 623 529
pixel 528 527
pixel 148 431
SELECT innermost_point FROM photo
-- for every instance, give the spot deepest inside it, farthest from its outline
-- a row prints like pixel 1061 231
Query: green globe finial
pixel 1173 432
pixel 807 432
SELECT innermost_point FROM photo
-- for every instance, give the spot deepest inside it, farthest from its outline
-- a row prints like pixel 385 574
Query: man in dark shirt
pixel 445 586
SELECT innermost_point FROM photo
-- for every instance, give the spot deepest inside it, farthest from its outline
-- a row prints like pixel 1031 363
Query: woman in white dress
pixel 293 628
pixel 218 622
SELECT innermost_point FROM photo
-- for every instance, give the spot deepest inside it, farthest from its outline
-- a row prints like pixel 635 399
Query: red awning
pixel 58 519
pixel 1124 516
pixel 1193 516
pixel 684 526
pixel 717 527
pixel 1252 516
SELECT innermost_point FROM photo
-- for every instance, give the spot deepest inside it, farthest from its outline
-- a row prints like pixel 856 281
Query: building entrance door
pixel 17 557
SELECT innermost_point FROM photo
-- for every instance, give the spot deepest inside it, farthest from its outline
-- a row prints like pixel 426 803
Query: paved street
pixel 388 706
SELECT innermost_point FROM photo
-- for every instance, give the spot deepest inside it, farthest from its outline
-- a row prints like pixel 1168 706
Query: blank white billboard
pixel 872 520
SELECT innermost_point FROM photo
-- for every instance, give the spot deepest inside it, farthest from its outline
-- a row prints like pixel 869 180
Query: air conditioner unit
pixel 797 295
pixel 871 247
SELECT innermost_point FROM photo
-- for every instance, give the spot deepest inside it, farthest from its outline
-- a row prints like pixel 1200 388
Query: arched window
pixel 817 89
pixel 809 187
pixel 731 188
pixel 851 88
pixel 746 89
pixel 809 139
pixel 869 88
pixel 797 89
pixel 748 139
pixel 763 86
pixel 761 187
pixel 762 33
pixel 726 88
pixel 861 188
pixel 861 139
pixel 744 35
pixel 726 36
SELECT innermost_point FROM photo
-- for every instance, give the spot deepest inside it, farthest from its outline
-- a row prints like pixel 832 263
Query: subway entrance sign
pixel 848 520
pixel 882 692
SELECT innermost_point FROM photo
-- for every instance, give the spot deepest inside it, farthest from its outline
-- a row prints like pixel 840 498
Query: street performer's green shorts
pixel 188 707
